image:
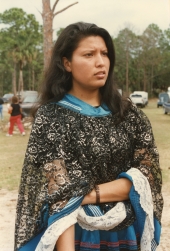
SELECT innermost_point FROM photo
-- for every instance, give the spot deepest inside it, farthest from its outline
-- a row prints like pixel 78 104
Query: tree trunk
pixel 21 81
pixel 47 16
pixel 29 77
pixel 33 78
pixel 127 73
pixel 144 80
pixel 151 89
pixel 2 81
pixel 14 84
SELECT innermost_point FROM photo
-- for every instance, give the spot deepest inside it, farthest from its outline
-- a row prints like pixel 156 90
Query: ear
pixel 67 64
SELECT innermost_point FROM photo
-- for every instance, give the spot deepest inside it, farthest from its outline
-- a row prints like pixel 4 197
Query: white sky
pixel 113 15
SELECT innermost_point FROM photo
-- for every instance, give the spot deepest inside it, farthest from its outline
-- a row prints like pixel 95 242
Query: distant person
pixel 1 108
pixel 15 118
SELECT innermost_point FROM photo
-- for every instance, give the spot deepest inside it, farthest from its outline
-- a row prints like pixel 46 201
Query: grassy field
pixel 161 129
pixel 12 149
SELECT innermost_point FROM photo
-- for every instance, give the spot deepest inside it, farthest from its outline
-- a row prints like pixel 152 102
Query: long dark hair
pixel 57 81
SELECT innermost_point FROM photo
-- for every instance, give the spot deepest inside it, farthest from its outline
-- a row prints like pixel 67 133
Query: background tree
pixel 125 45
pixel 59 31
pixel 48 15
pixel 150 56
pixel 21 37
pixel 142 61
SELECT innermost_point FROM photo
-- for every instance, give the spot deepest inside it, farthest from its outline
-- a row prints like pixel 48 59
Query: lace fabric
pixel 107 221
pixel 48 241
pixel 141 185
pixel 88 150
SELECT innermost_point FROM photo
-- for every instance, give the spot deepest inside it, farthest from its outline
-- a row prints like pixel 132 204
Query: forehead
pixel 92 42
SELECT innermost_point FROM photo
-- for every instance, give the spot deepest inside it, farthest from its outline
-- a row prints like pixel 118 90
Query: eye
pixel 90 54
pixel 105 53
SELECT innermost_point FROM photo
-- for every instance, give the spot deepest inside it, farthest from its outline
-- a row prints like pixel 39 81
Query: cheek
pixel 107 63
pixel 81 68
pixel 80 73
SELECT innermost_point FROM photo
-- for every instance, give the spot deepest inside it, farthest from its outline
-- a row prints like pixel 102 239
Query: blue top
pixel 71 102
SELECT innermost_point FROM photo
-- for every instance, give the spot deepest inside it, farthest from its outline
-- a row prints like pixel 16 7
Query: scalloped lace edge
pixel 108 221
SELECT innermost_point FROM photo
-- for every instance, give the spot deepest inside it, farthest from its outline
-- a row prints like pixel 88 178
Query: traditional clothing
pixel 72 147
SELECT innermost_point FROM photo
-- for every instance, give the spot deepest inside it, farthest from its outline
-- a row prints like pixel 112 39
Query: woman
pixel 15 118
pixel 91 163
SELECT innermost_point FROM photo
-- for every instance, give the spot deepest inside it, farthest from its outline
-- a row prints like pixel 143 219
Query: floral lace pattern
pixel 57 177
pixel 48 241
pixel 141 185
pixel 88 150
pixel 107 221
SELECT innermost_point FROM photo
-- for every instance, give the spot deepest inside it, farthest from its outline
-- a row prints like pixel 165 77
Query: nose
pixel 99 60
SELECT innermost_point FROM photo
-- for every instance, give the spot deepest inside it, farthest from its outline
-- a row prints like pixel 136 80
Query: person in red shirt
pixel 15 118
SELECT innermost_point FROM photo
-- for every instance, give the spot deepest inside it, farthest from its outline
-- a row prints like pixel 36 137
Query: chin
pixel 99 85
pixel 95 87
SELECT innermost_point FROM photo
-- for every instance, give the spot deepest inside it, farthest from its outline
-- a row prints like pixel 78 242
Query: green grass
pixel 161 129
pixel 12 149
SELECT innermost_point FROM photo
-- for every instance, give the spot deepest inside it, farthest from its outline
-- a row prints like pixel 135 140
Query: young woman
pixel 91 178
pixel 15 111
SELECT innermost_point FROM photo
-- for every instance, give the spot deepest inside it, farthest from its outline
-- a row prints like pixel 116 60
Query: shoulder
pixel 48 122
pixel 137 117
pixel 49 112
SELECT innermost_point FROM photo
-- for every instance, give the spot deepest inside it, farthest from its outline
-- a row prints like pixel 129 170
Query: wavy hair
pixel 57 81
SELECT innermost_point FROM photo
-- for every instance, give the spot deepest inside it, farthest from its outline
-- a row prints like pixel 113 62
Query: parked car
pixel 7 97
pixel 137 99
pixel 163 97
pixel 144 96
pixel 22 95
pixel 120 91
pixel 29 101
pixel 1 101
pixel 168 91
pixel 166 108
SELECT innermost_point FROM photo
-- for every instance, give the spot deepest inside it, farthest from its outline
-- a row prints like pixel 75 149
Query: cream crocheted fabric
pixel 108 221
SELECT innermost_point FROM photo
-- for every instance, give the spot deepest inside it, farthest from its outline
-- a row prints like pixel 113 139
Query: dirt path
pixel 165 236
pixel 7 218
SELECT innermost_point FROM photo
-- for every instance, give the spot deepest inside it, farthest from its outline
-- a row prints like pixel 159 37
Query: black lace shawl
pixel 68 153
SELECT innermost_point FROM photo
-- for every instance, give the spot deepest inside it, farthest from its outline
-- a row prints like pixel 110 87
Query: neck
pixel 91 97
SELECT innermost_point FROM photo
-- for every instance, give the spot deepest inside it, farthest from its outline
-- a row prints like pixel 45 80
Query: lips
pixel 100 73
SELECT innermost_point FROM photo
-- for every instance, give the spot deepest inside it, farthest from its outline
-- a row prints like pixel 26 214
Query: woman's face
pixel 89 64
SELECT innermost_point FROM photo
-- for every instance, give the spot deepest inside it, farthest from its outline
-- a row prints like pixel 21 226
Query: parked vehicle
pixel 120 91
pixel 7 97
pixel 163 97
pixel 144 96
pixel 168 91
pixel 24 94
pixel 1 101
pixel 166 108
pixel 29 101
pixel 137 99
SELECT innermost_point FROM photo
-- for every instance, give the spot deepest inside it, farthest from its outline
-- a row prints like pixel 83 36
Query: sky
pixel 113 15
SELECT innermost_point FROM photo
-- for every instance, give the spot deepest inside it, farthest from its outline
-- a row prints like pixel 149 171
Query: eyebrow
pixel 94 49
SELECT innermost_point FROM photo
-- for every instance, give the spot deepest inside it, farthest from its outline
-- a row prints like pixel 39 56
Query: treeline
pixel 142 61
pixel 21 55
